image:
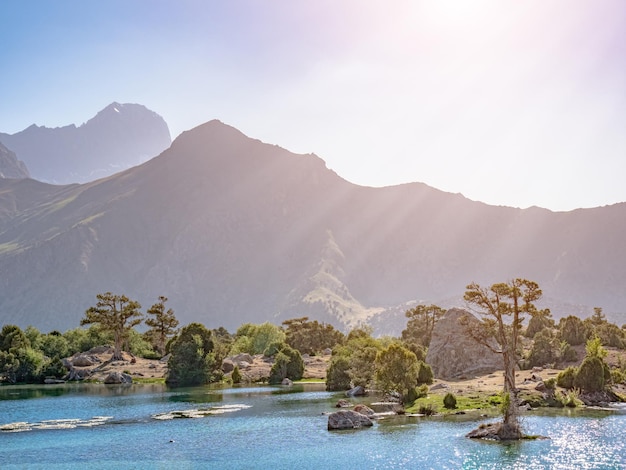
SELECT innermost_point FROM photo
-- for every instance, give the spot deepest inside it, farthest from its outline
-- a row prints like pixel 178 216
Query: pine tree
pixel 162 326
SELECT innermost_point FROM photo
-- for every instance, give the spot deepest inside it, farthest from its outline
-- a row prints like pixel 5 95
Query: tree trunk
pixel 510 428
pixel 117 351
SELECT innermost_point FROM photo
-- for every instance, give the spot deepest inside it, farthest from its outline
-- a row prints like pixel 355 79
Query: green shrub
pixel 550 384
pixel 424 373
pixel 591 375
pixel 571 398
pixel 449 401
pixel 495 400
pixel 236 375
pixel 566 378
pixel 416 393
pixel 618 377
pixel 337 377
pixel 427 410
pixel 191 361
pixel 55 369
pixel 273 348
pixel 287 364
pixel 567 353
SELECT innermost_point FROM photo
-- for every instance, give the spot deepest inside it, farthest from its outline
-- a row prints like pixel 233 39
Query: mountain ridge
pixel 117 137
pixel 234 230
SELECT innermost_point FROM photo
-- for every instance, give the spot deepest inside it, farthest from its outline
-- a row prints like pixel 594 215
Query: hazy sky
pixel 511 102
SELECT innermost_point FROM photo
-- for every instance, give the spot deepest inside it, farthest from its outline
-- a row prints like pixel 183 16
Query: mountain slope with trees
pixel 234 230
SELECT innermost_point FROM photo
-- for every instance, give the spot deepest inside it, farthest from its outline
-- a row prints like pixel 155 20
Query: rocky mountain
pixel 234 230
pixel 118 137
pixel 10 166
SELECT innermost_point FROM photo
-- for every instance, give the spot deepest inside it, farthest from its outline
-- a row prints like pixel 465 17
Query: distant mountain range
pixel 234 230
pixel 118 137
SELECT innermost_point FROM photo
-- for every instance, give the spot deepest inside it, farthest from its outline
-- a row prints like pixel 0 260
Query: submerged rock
pixel 348 419
pixel 52 381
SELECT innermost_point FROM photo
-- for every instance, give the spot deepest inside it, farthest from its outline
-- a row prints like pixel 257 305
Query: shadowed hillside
pixel 233 230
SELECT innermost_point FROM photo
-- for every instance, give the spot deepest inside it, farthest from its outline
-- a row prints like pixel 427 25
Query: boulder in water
pixel 357 391
pixel 347 419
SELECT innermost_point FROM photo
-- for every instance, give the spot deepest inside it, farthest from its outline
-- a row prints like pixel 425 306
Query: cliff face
pixel 118 137
pixel 10 166
pixel 453 354
pixel 233 230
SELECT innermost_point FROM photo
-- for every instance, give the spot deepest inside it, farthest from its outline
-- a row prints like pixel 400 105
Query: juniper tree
pixel 162 326
pixel 116 314
pixel 502 307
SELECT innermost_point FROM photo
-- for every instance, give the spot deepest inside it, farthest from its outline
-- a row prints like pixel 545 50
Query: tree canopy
pixel 191 361
pixel 502 307
pixel 396 369
pixel 162 324
pixel 116 314
pixel 311 337
pixel 422 320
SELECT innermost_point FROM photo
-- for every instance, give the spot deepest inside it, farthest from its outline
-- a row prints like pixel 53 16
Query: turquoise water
pixel 80 425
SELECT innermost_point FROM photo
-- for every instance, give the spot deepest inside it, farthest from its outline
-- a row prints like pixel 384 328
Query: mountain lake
pixel 141 426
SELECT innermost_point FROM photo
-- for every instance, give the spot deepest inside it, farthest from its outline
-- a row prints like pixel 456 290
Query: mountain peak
pixel 119 136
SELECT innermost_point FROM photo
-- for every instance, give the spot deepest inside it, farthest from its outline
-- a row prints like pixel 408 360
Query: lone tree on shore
pixel 162 325
pixel 116 314
pixel 502 307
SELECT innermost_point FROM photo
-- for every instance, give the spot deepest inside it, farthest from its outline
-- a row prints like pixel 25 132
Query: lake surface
pixel 79 425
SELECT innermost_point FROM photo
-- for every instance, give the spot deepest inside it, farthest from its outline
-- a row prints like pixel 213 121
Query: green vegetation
pixel 162 326
pixel 449 401
pixel 311 337
pixel 485 403
pixel 396 369
pixel 393 365
pixel 572 330
pixel 19 362
pixel 288 364
pixel 236 375
pixel 502 307
pixel 116 314
pixel 192 361
pixel 258 339
pixel 353 363
pixel 422 320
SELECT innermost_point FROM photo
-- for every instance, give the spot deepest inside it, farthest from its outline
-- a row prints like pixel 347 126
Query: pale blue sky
pixel 509 102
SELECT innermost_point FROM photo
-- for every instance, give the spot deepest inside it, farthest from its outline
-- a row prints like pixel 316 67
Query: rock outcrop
pixel 118 378
pixel 10 166
pixel 357 391
pixel 454 354
pixel 347 419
